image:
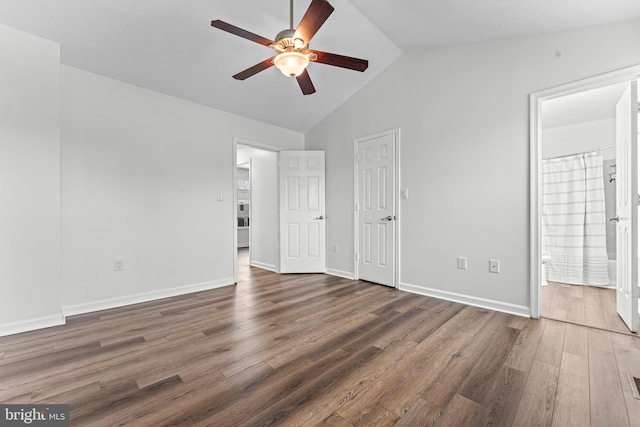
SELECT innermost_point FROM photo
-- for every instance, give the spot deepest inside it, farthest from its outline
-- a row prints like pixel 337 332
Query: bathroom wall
pixel 610 207
pixel 576 138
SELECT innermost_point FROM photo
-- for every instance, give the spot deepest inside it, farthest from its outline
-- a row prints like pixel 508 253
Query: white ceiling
pixel 169 46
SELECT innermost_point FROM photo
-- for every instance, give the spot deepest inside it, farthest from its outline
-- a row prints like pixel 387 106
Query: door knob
pixel 320 217
pixel 387 218
pixel 615 218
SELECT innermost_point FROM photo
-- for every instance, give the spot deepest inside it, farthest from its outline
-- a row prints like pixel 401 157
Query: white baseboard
pixel 518 310
pixel 340 273
pixel 31 324
pixel 263 265
pixel 71 310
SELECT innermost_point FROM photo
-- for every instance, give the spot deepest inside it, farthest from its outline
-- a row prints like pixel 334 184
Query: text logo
pixel 34 415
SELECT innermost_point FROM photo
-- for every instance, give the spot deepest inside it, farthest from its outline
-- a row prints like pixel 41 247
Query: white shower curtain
pixel 573 219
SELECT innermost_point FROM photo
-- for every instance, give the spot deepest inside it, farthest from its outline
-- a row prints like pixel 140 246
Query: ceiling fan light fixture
pixel 292 64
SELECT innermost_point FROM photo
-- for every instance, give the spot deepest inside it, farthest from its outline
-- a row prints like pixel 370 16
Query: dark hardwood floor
pixel 317 350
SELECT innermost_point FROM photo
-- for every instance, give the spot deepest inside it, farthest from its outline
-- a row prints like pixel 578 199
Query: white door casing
pixel 376 208
pixel 302 211
pixel 627 206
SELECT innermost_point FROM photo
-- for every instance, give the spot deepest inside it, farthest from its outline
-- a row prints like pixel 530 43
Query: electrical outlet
pixel 335 248
pixel 404 193
pixel 462 263
pixel 494 266
pixel 118 265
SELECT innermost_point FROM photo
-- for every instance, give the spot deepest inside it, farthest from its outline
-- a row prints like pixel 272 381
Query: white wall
pixel 264 208
pixel 140 176
pixel 29 182
pixel 579 137
pixel 464 118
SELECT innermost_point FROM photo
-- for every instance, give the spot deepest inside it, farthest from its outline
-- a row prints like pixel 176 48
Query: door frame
pixel 535 161
pixel 234 191
pixel 396 224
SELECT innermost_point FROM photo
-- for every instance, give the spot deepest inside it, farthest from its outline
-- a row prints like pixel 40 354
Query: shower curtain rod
pixel 582 152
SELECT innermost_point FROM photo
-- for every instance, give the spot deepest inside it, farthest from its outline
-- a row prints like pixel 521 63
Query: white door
pixel 376 210
pixel 627 206
pixel 302 212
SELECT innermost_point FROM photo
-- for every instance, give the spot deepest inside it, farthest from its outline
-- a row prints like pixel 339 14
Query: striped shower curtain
pixel 573 219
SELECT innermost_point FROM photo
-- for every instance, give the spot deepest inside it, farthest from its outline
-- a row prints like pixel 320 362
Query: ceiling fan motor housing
pixel 287 40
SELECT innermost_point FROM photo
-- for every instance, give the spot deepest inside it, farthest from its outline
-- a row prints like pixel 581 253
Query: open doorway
pixel 578 197
pixel 256 205
pixel 574 255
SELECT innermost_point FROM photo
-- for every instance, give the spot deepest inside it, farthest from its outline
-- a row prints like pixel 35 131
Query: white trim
pixel 396 250
pixel 71 310
pixel 234 215
pixel 31 324
pixel 340 273
pixel 264 266
pixel 535 158
pixel 518 310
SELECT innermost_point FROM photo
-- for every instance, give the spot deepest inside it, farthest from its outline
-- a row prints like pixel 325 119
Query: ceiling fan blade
pixel 314 17
pixel 305 83
pixel 341 61
pixel 241 33
pixel 254 70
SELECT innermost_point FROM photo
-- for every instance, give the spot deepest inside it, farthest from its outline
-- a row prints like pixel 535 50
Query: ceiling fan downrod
pixel 291 14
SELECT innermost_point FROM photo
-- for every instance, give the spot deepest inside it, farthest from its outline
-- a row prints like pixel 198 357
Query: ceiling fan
pixel 292 47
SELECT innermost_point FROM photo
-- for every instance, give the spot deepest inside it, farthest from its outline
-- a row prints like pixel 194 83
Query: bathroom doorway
pixel 576 124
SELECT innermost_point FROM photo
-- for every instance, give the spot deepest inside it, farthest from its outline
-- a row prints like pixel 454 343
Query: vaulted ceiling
pixel 170 47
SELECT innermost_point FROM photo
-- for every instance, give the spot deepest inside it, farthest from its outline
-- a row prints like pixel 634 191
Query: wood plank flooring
pixel 583 305
pixel 316 350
